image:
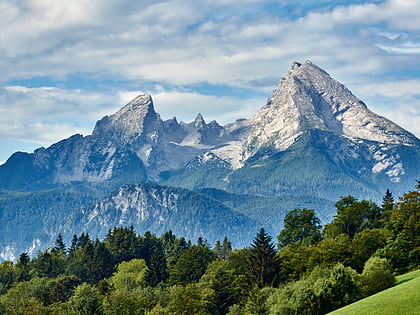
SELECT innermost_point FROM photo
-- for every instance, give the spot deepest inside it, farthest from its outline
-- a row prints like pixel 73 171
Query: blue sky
pixel 66 64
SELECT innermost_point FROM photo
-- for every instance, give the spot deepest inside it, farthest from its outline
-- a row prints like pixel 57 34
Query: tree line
pixel 309 270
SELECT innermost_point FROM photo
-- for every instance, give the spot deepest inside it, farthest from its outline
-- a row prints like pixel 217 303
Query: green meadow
pixel 403 298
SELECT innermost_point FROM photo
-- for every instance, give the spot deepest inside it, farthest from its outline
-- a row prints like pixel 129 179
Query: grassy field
pixel 403 298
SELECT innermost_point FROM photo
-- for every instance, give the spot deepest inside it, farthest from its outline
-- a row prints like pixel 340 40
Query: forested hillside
pixel 306 269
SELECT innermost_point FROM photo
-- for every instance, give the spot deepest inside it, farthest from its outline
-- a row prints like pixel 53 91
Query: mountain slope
pixel 313 137
pixel 30 220
pixel 313 142
pixel 308 98
pixel 155 208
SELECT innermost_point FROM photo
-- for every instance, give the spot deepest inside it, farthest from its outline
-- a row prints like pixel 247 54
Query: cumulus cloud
pixel 185 105
pixel 247 45
pixel 45 115
pixel 398 101
pixel 217 42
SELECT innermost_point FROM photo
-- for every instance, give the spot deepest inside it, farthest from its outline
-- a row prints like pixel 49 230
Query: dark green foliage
pixel 226 248
pixel 403 246
pixel 300 226
pixel 166 274
pixel 122 243
pixel 331 251
pixel 63 288
pixel 102 262
pixel 59 245
pixel 387 205
pixel 83 240
pixel 49 264
pixel 224 284
pixel 365 244
pixel 354 216
pixel 223 250
pixel 157 268
pixel 191 265
pixel 23 267
pixel 173 246
pixel 263 263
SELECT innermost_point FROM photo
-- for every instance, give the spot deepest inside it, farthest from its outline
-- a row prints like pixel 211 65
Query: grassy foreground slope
pixel 403 298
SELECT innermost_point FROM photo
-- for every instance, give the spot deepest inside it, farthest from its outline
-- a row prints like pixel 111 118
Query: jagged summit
pixel 136 118
pixel 199 121
pixel 307 98
pixel 313 142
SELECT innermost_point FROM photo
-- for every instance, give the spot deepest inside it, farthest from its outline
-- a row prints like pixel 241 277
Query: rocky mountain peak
pixel 306 98
pixel 199 121
pixel 139 106
pixel 136 118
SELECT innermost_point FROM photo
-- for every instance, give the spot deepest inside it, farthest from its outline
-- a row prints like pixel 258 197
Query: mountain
pixel 313 137
pixel 160 209
pixel 313 142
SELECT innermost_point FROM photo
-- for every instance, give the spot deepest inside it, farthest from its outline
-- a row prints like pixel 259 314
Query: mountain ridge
pixel 311 143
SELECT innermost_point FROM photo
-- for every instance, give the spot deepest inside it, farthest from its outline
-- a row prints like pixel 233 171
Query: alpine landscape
pixel 213 157
pixel 313 142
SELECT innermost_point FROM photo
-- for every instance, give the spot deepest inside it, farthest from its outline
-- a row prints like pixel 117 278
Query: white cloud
pixel 152 41
pixel 46 115
pixel 394 89
pixel 186 105
pixel 221 42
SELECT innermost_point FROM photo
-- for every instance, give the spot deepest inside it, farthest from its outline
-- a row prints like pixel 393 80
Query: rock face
pixel 135 138
pixel 160 209
pixel 308 98
pixel 313 142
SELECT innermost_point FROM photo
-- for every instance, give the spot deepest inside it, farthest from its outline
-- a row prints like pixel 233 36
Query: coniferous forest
pixel 306 269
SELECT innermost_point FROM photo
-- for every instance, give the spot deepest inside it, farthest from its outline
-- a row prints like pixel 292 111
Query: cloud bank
pixel 66 64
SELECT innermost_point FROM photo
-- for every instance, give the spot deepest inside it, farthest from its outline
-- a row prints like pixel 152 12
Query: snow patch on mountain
pixel 307 98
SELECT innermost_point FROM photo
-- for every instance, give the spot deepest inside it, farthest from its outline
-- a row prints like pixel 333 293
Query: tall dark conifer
pixel 156 270
pixel 387 205
pixel 226 247
pixel 263 262
pixel 59 245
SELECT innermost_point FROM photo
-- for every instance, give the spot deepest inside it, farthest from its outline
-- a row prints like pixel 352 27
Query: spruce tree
pixel 218 250
pixel 156 270
pixel 263 263
pixel 387 205
pixel 226 248
pixel 59 245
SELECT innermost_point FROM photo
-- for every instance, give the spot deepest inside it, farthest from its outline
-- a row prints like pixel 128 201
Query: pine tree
pixel 73 247
pixel 387 205
pixel 156 270
pixel 59 245
pixel 23 267
pixel 226 248
pixel 218 250
pixel 83 240
pixel 263 263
